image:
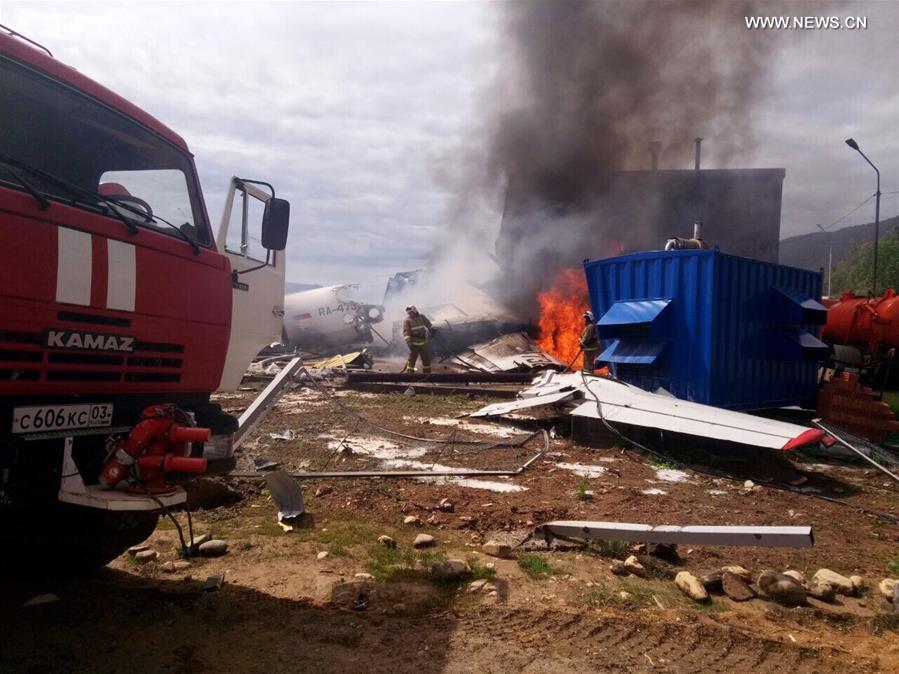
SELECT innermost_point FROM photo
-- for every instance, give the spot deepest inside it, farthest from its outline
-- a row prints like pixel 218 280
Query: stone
pixel 690 586
pixel 386 541
pixel 134 549
pixel 665 551
pixel 199 540
pixel 323 491
pixel 494 549
pixel 477 585
pixel 409 392
pixel 858 583
pixel 782 589
pixel 175 567
pixel 446 506
pixel 798 576
pixel 840 583
pixel 411 520
pixel 618 568
pixel 213 548
pixel 735 587
pixel 364 576
pixel 822 591
pixel 322 555
pixel 450 570
pixel 423 541
pixel 712 581
pixel 633 565
pixel 625 597
pixel 738 571
pixel 145 556
pixel 885 587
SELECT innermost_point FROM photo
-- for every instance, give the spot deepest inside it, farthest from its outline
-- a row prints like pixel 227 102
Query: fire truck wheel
pixel 71 540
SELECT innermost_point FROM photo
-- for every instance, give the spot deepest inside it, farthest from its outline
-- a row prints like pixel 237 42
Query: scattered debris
pixel 690 586
pixel 514 352
pixel 213 583
pixel 671 475
pixel 446 506
pixel 286 434
pixel 286 494
pixel 39 599
pixel 654 491
pixel 323 491
pixel 583 470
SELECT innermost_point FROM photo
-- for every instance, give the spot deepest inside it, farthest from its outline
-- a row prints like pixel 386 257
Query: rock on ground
pixel 494 549
pixel 712 581
pixel 735 587
pixel 322 555
pixel 450 570
pixel 134 549
pixel 175 567
pixel 782 589
pixel 858 583
pixel 145 556
pixel 841 584
pixel 411 520
pixel 387 541
pixel 423 541
pixel 633 565
pixel 822 591
pixel 213 548
pixel 885 587
pixel 738 571
pixel 798 576
pixel 617 567
pixel 690 586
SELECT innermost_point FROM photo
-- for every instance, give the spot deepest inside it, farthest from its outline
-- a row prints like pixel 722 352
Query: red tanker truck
pixel 121 311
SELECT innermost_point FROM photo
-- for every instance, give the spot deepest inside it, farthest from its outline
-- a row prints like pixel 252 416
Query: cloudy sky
pixel 357 111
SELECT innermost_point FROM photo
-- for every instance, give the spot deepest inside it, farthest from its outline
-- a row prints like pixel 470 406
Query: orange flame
pixel 562 310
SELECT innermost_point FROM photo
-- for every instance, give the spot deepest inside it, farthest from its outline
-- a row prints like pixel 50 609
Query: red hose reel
pixel 158 445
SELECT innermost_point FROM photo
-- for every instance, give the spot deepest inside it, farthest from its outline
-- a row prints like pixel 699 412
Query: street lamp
pixel 851 143
pixel 829 256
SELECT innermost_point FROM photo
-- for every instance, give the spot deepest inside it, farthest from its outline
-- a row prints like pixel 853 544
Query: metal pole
pixel 830 266
pixel 876 220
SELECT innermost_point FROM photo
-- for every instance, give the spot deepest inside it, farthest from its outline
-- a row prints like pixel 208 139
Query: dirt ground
pixel 284 606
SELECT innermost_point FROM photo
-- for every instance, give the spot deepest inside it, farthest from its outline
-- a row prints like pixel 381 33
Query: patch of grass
pixel 714 551
pixel 657 462
pixel 393 564
pixel 603 595
pixel 536 567
pixel 581 491
pixel 341 536
pixel 247 545
pixel 479 571
pixel 893 566
pixel 613 549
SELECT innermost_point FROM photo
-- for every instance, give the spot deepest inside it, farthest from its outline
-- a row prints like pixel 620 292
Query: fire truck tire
pixel 71 540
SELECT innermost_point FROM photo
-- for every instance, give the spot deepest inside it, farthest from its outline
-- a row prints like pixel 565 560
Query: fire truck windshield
pixel 85 145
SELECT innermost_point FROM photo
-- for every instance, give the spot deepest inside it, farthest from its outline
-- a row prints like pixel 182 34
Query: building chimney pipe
pixel 698 142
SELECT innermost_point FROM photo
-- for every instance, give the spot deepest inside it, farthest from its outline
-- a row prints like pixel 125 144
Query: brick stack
pixel 845 402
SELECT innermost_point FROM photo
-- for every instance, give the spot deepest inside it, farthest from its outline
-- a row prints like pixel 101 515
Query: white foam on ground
pixel 582 470
pixel 671 475
pixel 717 492
pixel 654 492
pixel 463 425
pixel 377 448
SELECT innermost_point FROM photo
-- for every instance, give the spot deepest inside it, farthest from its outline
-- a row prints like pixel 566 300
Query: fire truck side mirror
pixel 275 223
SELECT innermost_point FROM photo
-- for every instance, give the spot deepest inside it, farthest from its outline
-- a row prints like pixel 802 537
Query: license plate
pixel 44 418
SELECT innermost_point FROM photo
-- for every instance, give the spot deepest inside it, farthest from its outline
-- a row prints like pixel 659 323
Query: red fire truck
pixel 121 311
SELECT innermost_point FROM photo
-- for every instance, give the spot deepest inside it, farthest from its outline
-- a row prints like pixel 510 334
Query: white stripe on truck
pixel 74 267
pixel 121 284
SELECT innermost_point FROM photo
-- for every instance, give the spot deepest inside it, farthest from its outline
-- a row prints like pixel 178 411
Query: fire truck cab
pixel 121 310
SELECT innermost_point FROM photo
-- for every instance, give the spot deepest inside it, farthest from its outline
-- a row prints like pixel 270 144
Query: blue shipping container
pixel 709 327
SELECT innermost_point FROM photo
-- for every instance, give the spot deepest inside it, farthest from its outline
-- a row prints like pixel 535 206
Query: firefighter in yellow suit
pixel 417 331
pixel 589 342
